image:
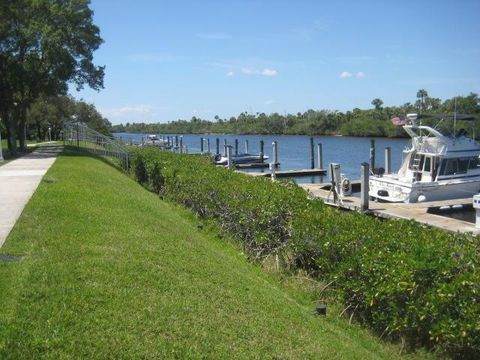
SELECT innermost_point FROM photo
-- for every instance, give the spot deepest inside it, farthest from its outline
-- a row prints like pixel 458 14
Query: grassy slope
pixel 111 271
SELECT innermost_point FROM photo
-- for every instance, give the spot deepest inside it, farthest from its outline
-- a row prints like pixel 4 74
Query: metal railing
pixel 80 135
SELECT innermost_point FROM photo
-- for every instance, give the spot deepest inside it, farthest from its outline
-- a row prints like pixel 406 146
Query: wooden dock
pixel 418 211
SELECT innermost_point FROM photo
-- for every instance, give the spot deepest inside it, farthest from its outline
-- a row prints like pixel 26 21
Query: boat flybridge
pixel 435 167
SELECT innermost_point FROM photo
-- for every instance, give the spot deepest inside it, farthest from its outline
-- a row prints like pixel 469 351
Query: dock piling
pixel 229 156
pixel 218 146
pixel 201 145
pixel 225 147
pixel 320 155
pixel 372 154
pixel 246 146
pixel 236 147
pixel 335 179
pixel 273 176
pixel 312 154
pixel 181 144
pixel 388 160
pixel 275 152
pixel 261 151
pixel 364 179
pixel 208 145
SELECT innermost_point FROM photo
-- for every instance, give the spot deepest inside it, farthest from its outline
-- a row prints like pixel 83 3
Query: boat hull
pixel 242 159
pixel 391 190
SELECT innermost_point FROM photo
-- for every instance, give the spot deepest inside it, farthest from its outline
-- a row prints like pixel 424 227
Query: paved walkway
pixel 18 181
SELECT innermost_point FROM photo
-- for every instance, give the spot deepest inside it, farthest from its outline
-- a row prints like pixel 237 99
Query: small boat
pixel 435 166
pixel 240 159
pixel 153 138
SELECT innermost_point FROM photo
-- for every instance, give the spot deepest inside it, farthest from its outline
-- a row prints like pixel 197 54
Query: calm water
pixel 294 150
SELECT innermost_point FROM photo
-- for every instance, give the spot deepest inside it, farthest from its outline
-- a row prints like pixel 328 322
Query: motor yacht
pixel 435 166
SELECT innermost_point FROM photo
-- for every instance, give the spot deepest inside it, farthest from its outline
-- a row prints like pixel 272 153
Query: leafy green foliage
pixel 44 46
pixel 403 279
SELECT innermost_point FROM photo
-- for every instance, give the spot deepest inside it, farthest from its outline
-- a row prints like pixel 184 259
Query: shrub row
pixel 405 280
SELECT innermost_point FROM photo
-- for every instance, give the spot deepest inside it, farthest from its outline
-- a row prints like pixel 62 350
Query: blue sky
pixel 167 60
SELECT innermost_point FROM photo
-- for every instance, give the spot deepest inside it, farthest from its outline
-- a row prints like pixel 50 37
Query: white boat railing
pixel 80 135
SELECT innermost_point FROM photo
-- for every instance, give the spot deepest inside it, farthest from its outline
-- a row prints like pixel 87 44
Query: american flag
pixel 398 121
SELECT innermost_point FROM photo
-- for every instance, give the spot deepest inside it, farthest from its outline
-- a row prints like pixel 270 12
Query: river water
pixel 294 150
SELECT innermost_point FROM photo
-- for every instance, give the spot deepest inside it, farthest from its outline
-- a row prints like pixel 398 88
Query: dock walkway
pixel 418 212
pixel 18 181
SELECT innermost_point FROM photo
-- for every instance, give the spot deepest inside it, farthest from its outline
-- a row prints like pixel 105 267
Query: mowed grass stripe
pixel 111 271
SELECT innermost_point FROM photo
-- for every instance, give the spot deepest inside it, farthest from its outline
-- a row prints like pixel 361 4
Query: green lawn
pixel 111 271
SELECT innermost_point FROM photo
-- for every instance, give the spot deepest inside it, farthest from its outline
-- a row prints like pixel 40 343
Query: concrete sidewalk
pixel 18 181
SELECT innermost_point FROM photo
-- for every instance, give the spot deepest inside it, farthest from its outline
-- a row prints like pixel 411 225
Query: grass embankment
pixel 111 271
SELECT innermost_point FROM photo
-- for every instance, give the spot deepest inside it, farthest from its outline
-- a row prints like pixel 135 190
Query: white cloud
pixel 269 72
pixel 348 74
pixel 133 113
pixel 230 73
pixel 247 71
pixel 264 72
pixel 213 36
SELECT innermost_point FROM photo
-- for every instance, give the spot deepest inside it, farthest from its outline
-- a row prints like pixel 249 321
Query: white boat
pixel 435 167
pixel 240 159
pixel 153 138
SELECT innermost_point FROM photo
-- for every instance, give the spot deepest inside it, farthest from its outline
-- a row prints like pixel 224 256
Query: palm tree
pixel 377 103
pixel 422 95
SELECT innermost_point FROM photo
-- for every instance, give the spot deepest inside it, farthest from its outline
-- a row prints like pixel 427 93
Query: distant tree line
pixel 45 45
pixel 370 122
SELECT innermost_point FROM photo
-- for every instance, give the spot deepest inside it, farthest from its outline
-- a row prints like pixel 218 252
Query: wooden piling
pixel 275 152
pixel 273 176
pixel 224 147
pixel 246 146
pixel 218 146
pixel 201 145
pixel 261 151
pixel 388 160
pixel 335 180
pixel 208 145
pixel 320 156
pixel 312 154
pixel 229 156
pixel 236 147
pixel 372 154
pixel 364 179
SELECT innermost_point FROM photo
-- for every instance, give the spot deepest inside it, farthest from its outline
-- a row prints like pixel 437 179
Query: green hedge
pixel 405 280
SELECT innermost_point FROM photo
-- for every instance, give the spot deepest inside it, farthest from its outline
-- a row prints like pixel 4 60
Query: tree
pixel 44 46
pixel 422 95
pixel 377 103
